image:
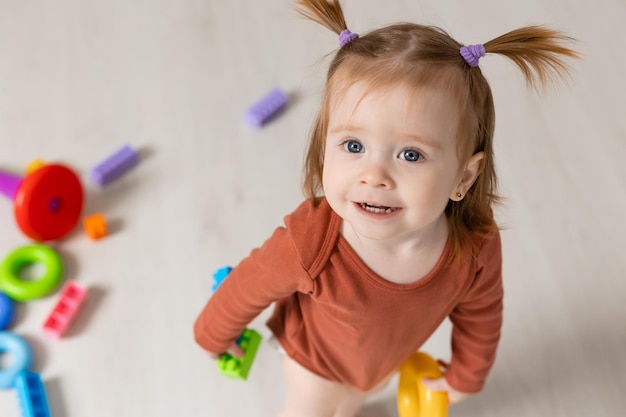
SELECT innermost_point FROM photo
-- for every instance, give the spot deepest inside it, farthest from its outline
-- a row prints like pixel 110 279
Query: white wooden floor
pixel 78 79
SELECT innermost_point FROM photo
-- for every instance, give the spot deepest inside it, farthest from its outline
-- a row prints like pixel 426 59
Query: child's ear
pixel 471 171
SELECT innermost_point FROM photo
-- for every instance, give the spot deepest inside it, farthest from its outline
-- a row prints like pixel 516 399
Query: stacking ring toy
pixel 414 399
pixel 21 355
pixel 22 290
pixel 47 202
pixel 6 311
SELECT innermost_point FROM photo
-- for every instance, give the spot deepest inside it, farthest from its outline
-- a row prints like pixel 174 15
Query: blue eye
pixel 353 146
pixel 411 155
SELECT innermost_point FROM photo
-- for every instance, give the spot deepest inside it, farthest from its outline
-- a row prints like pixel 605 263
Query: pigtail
pixel 537 51
pixel 541 55
pixel 327 13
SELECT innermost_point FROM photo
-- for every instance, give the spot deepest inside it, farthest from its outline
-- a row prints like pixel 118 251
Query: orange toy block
pixel 95 226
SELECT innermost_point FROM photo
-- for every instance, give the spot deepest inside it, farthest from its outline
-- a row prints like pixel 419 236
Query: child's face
pixel 390 161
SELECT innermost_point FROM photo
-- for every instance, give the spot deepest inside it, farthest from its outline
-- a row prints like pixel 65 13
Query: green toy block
pixel 239 368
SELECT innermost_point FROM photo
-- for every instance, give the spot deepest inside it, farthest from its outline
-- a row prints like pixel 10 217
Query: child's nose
pixel 376 174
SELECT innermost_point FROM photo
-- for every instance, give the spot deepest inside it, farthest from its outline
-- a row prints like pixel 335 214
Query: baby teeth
pixel 377 210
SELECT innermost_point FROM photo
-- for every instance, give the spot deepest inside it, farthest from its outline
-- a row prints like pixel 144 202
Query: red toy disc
pixel 48 203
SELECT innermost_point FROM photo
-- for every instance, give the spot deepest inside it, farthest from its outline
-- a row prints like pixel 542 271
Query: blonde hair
pixel 418 56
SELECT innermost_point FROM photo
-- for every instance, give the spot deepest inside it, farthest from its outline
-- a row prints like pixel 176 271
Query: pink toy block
pixel 72 297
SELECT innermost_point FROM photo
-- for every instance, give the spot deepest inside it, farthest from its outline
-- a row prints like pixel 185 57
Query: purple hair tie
pixel 345 37
pixel 472 53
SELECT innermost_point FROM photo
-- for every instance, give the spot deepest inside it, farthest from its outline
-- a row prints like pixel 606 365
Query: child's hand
pixel 234 350
pixel 440 384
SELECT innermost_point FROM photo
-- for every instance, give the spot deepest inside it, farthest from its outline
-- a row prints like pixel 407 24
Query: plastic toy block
pixel 239 368
pixel 34 165
pixel 219 276
pixel 70 301
pixel 32 395
pixel 266 108
pixel 95 226
pixel 115 166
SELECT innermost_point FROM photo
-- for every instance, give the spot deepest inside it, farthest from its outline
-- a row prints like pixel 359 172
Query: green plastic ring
pixel 21 290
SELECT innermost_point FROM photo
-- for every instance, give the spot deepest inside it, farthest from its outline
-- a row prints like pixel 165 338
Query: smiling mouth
pixel 377 209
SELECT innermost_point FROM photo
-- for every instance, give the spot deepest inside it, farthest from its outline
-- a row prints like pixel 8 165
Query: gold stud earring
pixel 459 195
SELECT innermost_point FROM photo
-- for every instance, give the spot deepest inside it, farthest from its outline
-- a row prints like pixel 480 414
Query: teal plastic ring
pixel 22 290
pixel 21 357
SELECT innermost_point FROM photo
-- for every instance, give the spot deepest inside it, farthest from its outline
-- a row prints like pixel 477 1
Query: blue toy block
pixel 219 276
pixel 32 395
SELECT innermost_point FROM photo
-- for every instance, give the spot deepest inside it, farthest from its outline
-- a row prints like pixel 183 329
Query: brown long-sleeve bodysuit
pixel 342 321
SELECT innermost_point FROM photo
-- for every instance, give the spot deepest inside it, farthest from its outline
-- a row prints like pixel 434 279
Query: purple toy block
pixel 266 108
pixel 9 184
pixel 115 166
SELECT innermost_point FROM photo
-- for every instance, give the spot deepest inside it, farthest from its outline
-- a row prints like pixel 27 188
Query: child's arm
pixel 477 320
pixel 271 272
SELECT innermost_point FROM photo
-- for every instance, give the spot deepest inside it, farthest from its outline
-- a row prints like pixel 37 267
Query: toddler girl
pixel 397 231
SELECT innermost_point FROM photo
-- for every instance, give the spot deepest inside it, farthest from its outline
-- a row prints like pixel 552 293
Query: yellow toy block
pixel 34 165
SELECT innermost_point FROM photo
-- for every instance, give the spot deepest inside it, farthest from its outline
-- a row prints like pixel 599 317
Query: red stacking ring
pixel 48 203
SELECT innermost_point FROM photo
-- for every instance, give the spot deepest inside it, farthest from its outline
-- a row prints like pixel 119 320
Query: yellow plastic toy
pixel 414 399
pixel 34 165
